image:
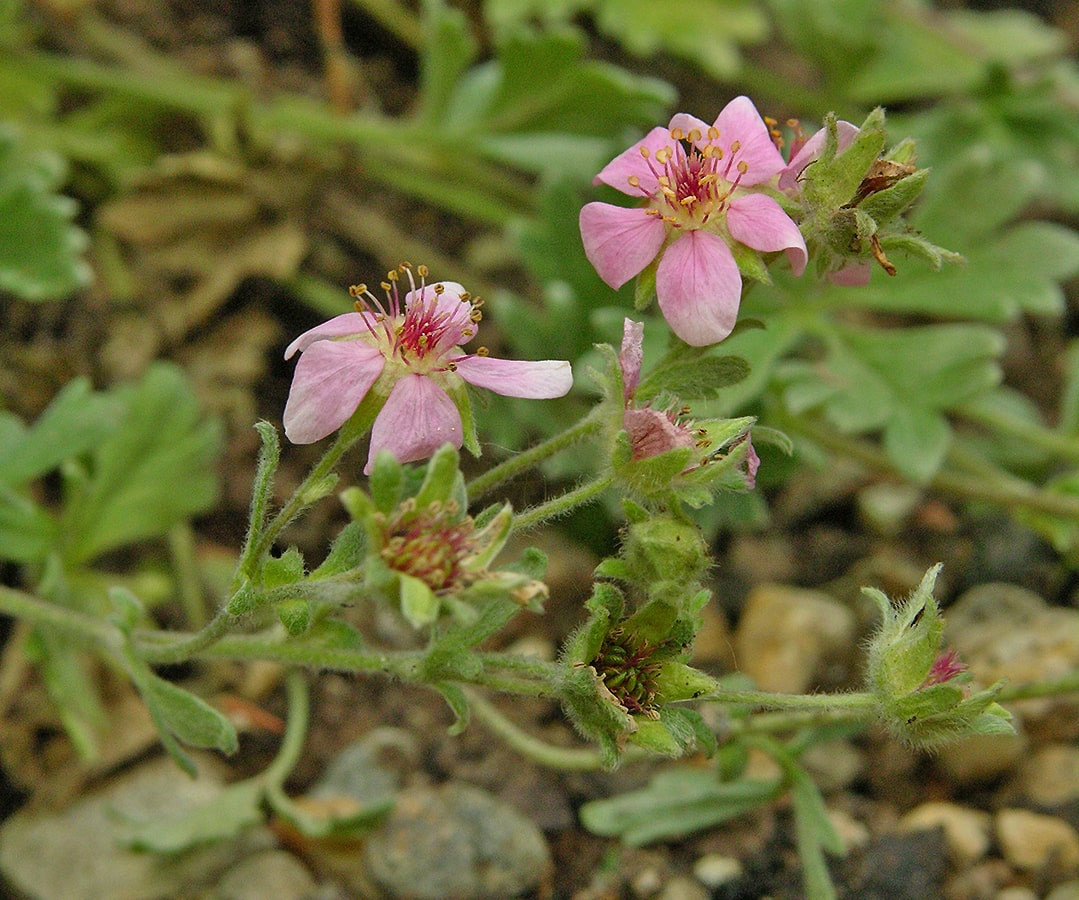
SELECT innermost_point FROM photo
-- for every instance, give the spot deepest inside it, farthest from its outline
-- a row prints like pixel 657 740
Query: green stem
pixel 567 759
pixel 24 606
pixel 563 504
pixel 181 648
pixel 1051 442
pixel 521 462
pixel 1067 684
pixel 181 540
pixel 768 700
pixel 396 19
pixel 1005 491
pixel 773 722
pixel 288 755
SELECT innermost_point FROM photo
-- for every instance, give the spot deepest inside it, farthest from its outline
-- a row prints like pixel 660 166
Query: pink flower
pixel 408 352
pixel 945 667
pixel 702 187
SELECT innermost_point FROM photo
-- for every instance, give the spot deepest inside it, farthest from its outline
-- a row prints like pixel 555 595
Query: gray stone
pixel 75 853
pixel 273 873
pixel 456 842
pixel 1050 776
pixel 966 831
pixel 369 770
pixel 981 757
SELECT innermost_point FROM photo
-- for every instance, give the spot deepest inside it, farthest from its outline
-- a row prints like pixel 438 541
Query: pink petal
pixel 855 274
pixel 699 288
pixel 538 380
pixel 620 242
pixel 688 123
pixel 629 360
pixel 739 121
pixel 339 326
pixel 811 150
pixel 331 379
pixel 418 418
pixel 757 221
pixel 630 163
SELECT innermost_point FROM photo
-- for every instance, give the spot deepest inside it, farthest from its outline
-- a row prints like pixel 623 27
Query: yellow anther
pixel 770 122
pixel 634 181
pixel 663 155
pixel 713 133
pixel 743 166
pixel 736 146
pixel 678 134
pixel 357 290
pixel 386 286
pixel 423 271
pixel 482 351
pixel 645 152
pixel 465 296
pixel 695 135
pixel 439 289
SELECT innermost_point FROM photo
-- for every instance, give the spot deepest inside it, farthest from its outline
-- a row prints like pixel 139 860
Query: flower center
pixel 695 180
pixel 429 544
pixel 423 329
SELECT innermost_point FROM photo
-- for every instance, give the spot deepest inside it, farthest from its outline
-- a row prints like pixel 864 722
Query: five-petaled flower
pixel 407 352
pixel 703 188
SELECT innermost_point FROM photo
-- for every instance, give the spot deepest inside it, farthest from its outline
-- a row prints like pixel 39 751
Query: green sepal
pixel 833 179
pixel 654 736
pixel 419 605
pixel 458 703
pixel 458 393
pixel 386 482
pixel 347 551
pixel 884 206
pixel 288 568
pixel 676 681
pixel 902 651
pixel 644 288
pixel 295 615
pixel 605 607
pixel 441 477
pixel 750 264
pixel 664 548
pixel 653 621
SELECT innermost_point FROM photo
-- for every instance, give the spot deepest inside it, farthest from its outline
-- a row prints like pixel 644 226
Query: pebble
pixel 1037 843
pixel 714 870
pixel 834 765
pixel 273 873
pixel 1069 890
pixel 792 639
pixel 1004 631
pixel 75 853
pixel 902 866
pixel 966 831
pixel 456 841
pixel 1050 776
pixel 682 888
pixel 1015 892
pixel 980 758
pixel 852 833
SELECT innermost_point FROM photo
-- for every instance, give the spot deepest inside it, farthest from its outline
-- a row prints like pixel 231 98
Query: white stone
pixel 714 870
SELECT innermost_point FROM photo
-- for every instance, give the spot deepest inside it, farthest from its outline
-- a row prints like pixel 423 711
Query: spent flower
pixel 405 355
pixel 705 192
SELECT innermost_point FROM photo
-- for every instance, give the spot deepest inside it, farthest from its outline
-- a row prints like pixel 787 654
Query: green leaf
pixel 448 49
pixel 40 249
pixel 239 806
pixel 27 532
pixel 71 689
pixel 181 716
pixel 155 470
pixel 75 421
pixel 917 440
pixel 675 803
pixel 458 702
pixel 288 568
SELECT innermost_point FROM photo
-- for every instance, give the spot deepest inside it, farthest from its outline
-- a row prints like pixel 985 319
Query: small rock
pixel 714 870
pixel 682 888
pixel 791 639
pixel 368 770
pixel 75 853
pixel 456 841
pixel 981 757
pixel 902 867
pixel 274 873
pixel 1004 631
pixel 853 834
pixel 966 831
pixel 1067 891
pixel 1037 843
pixel 1050 777
pixel 1015 892
pixel 834 765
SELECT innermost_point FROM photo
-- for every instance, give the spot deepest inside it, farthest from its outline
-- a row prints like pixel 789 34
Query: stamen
pixel 694 135
pixel 482 351
pixel 678 134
